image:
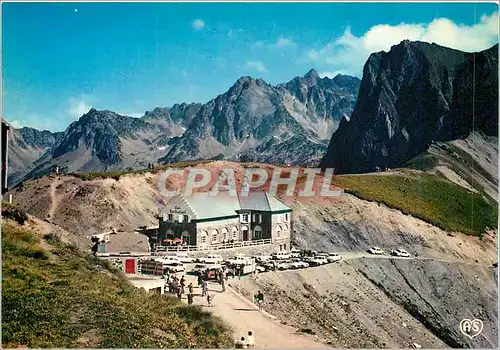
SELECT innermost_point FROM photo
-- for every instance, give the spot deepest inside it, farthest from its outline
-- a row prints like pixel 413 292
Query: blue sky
pixel 60 59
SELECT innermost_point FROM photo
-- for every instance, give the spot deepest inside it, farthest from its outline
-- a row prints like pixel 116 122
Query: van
pixel 281 256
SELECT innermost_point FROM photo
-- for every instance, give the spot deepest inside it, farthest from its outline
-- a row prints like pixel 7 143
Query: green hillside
pixel 427 197
pixel 55 296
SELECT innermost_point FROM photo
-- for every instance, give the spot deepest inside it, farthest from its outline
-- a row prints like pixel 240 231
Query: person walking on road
pixel 260 299
pixel 190 295
pixel 223 283
pixel 204 287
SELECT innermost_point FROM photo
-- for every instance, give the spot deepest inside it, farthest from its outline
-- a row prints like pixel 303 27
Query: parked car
pixel 401 253
pixel 333 257
pixel 199 269
pixel 269 265
pixel 211 258
pixel 173 265
pixel 375 251
pixel 181 256
pixel 318 260
pixel 299 264
pixel 260 268
pixel 280 256
pixel 237 259
pixel 262 258
pixel 283 265
pixel 295 253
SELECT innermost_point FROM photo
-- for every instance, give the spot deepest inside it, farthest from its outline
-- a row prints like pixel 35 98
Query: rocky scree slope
pixel 410 96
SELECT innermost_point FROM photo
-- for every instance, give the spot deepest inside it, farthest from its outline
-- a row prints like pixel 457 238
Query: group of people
pixel 177 286
pixel 245 343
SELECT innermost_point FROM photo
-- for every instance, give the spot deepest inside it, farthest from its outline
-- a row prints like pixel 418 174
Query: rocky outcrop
pixel 253 119
pixel 410 96
pixel 26 145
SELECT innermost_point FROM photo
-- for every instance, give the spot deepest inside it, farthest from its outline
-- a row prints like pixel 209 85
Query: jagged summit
pixel 413 95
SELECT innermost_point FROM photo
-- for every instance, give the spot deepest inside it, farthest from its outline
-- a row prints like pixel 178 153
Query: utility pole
pixel 5 154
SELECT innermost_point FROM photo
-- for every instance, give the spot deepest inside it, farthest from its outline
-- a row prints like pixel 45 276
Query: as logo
pixel 470 328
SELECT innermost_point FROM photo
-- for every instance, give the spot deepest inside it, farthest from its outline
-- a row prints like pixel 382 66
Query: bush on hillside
pixel 10 211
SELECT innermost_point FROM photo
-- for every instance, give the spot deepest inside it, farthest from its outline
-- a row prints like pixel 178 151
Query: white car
pixel 283 265
pixel 172 265
pixel 401 253
pixel 333 257
pixel 281 256
pixel 261 258
pixel 295 253
pixel 299 264
pixel 318 260
pixel 212 258
pixel 238 259
pixel 376 251
pixel 182 257
pixel 260 269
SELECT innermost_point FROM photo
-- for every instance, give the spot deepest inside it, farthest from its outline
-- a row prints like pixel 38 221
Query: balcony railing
pixel 210 247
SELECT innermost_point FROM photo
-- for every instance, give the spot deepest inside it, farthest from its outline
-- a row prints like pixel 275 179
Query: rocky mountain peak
pixel 312 77
pixel 409 97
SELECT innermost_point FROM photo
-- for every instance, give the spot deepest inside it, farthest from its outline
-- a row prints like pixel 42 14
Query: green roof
pixel 224 205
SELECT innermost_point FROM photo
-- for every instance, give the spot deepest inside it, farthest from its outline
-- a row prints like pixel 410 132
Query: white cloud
pixel 257 44
pixel 78 106
pixel 330 75
pixel 349 52
pixel 234 32
pixel 133 114
pixel 259 66
pixel 282 42
pixel 16 124
pixel 198 24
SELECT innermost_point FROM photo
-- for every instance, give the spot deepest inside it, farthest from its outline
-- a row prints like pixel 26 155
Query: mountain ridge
pixel 409 97
pixel 103 140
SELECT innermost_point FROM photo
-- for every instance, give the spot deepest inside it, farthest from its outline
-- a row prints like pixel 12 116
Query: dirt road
pixel 243 316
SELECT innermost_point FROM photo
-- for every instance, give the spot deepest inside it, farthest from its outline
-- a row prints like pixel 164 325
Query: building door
pixel 130 266
pixel 186 238
pixel 245 234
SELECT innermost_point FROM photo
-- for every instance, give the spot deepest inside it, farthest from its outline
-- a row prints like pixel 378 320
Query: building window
pixel 260 218
pixel 245 218
pixel 286 217
pixel 257 232
pixel 170 217
pixel 235 234
pixel 279 234
pixel 185 218
pixel 203 238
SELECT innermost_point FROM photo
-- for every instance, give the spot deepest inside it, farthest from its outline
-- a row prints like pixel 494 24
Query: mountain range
pixel 410 97
pixel 252 121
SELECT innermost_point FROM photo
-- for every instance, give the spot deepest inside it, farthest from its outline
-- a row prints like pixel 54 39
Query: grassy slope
pixel 427 197
pixel 55 296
